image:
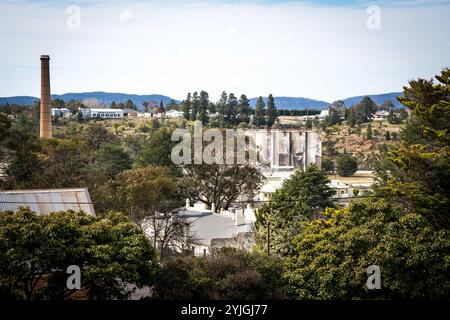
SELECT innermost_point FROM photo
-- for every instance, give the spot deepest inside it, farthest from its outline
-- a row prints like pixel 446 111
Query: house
pixel 46 201
pixel 380 115
pixel 212 230
pixel 145 115
pixel 273 181
pixel 61 112
pixel 342 190
pixel 205 230
pixel 174 114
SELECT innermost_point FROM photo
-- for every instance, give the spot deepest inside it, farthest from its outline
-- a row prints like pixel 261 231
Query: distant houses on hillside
pixel 115 113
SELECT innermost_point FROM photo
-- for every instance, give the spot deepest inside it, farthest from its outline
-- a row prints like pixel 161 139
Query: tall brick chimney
pixel 46 116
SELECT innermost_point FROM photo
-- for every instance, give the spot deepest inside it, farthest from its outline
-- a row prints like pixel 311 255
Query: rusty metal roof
pixel 46 201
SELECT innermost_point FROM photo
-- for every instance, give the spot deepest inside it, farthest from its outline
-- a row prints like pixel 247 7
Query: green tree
pixel 271 111
pixel 61 163
pixel 110 251
pixel 226 274
pixel 203 104
pixel 301 198
pixel 130 105
pixel 96 135
pixel 346 165
pixel 393 117
pixel 331 257
pixel 368 106
pixel 417 170
pixel 222 107
pixel 111 159
pixel 186 107
pixel 18 155
pixel 195 106
pixel 156 149
pixel 260 112
pixel 328 165
pixel 151 196
pixel 244 109
pixel 143 192
pixel 220 184
pixel 232 108
pixel 80 117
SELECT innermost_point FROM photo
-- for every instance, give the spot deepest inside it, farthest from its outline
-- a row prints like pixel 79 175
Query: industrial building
pixel 287 149
pixel 101 113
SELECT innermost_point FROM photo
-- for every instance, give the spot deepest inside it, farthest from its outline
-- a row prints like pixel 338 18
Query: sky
pixel 323 50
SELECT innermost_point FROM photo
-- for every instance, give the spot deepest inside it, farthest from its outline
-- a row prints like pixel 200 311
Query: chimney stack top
pixel 45 57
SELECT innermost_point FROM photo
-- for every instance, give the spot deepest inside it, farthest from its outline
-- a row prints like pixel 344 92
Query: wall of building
pixel 288 148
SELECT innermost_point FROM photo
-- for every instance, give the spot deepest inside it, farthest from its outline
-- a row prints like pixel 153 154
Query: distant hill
pixel 377 98
pixel 292 103
pixel 101 97
pixel 22 100
pixel 289 103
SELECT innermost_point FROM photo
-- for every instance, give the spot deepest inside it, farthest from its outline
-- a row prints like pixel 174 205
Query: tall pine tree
pixel 195 105
pixel 271 111
pixel 260 112
pixel 243 109
pixel 232 108
pixel 187 107
pixel 203 105
pixel 222 107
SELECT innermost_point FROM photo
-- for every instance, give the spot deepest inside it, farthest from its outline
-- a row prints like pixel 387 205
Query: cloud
pixel 127 17
pixel 231 31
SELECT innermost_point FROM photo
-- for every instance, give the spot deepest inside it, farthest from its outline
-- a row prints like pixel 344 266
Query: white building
pixel 174 114
pixel 102 113
pixel 208 230
pixel 380 115
pixel 342 190
pixel 61 112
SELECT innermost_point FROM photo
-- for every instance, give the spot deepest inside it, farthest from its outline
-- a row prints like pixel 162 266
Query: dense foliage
pixel 332 255
pixel 226 274
pixel 35 251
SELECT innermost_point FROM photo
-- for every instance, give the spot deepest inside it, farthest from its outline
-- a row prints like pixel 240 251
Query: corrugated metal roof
pixel 46 201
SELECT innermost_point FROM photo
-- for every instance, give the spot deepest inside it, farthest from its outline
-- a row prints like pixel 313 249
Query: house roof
pixel 106 110
pixel 46 201
pixel 204 226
